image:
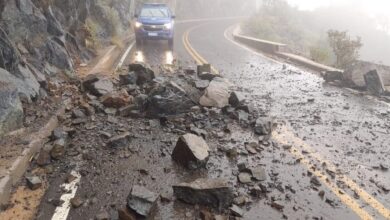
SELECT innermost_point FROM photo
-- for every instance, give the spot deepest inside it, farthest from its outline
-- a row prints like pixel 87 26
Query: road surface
pixel 331 146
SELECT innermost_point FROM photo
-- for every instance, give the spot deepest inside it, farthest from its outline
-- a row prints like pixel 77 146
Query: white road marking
pixel 61 212
pixel 124 56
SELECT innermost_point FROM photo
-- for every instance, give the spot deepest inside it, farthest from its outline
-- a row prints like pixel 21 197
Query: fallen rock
pixel 263 126
pixel 259 174
pixel 236 99
pixel 43 158
pixel 245 177
pixel 205 68
pixel 98 85
pixel 374 83
pixel 77 113
pixel 331 76
pixel 58 133
pixel 216 94
pixel 202 84
pixel 143 73
pixel 34 182
pixel 209 192
pixel 58 149
pixel 237 211
pixel 191 151
pixel 76 202
pixel 121 140
pixel 127 78
pixel 117 99
pixel 142 201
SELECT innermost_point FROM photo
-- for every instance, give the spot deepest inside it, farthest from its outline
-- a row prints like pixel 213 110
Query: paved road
pixel 335 135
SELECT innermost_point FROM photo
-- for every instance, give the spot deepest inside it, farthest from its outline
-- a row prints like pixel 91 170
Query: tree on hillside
pixel 344 47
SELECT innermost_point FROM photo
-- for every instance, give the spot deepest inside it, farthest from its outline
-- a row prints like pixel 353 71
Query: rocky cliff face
pixel 42 38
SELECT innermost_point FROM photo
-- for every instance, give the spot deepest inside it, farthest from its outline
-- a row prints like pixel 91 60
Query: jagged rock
pixel 34 182
pixel 207 76
pixel 121 140
pixel 245 177
pixel 58 149
pixel 77 113
pixel 237 211
pixel 117 99
pixel 215 193
pixel 98 85
pixel 374 83
pixel 236 99
pixel 143 73
pixel 57 55
pixel 168 99
pixel 142 201
pixel 202 84
pixel 205 68
pixel 128 78
pixel 191 151
pixel 76 202
pixel 43 158
pixel 11 110
pixel 263 126
pixel 331 76
pixel 9 58
pixel 216 94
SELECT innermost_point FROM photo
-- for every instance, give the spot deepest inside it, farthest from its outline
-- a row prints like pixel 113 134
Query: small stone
pixel 58 149
pixel 237 211
pixel 202 84
pixel 76 202
pixel 251 148
pixel 245 177
pixel 34 182
pixel 259 174
pixel 236 99
pixel 77 113
pixel 121 140
pixel 276 205
pixel 43 158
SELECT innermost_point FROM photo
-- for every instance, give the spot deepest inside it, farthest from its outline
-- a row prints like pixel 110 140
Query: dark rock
pixel 9 58
pixel 121 140
pixel 57 55
pixel 43 158
pixel 263 126
pixel 98 85
pixel 209 192
pixel 128 78
pixel 58 149
pixel 168 99
pixel 216 94
pixel 237 211
pixel 34 182
pixel 117 99
pixel 331 76
pixel 11 110
pixel 276 205
pixel 202 84
pixel 205 68
pixel 191 151
pixel 236 99
pixel 76 202
pixel 142 201
pixel 125 214
pixel 77 113
pixel 143 73
pixel 23 80
pixel 374 83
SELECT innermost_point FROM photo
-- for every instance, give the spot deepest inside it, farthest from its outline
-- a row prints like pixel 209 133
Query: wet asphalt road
pixel 331 128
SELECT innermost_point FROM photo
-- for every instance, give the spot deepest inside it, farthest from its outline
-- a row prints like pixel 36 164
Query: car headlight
pixel 138 24
pixel 168 25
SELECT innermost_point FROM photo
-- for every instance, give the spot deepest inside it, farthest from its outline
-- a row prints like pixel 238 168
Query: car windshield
pixel 155 12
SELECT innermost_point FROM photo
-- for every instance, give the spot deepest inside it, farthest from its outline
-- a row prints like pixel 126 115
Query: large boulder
pixel 11 111
pixel 143 73
pixel 57 55
pixel 216 94
pixel 215 193
pixel 168 99
pixel 24 81
pixel 9 56
pixel 374 83
pixel 191 151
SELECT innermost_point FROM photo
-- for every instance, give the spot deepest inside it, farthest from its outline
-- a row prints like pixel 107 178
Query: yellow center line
pixel 287 135
pixel 379 207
